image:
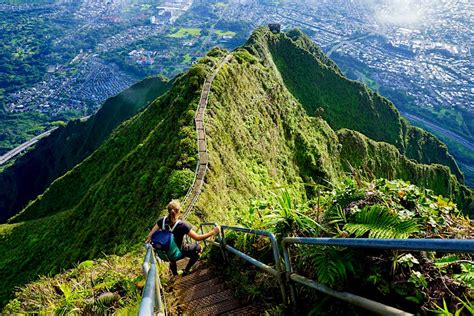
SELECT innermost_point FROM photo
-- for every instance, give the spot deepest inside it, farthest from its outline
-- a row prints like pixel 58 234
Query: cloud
pixel 407 13
pixel 402 12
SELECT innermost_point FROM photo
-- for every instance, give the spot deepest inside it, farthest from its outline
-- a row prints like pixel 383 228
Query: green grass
pixel 322 90
pixel 109 285
pixel 104 204
pixel 183 32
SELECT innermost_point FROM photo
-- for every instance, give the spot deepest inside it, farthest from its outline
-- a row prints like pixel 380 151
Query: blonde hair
pixel 174 208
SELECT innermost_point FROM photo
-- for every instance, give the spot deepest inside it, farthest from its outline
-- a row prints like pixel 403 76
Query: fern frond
pixel 331 264
pixel 378 222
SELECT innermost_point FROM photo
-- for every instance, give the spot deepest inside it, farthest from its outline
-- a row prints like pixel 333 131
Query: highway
pixel 458 138
pixel 12 153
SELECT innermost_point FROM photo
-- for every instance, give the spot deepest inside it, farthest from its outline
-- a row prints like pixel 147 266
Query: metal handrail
pixel 152 302
pixel 202 232
pixel 442 245
pixel 277 271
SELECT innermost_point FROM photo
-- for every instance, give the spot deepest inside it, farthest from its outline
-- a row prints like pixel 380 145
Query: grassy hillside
pixel 105 203
pixel 259 137
pixel 371 157
pixel 322 90
pixel 66 147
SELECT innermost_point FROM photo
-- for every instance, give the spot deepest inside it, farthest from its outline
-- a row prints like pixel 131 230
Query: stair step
pixel 194 274
pixel 208 300
pixel 181 264
pixel 219 308
pixel 247 310
pixel 195 288
pixel 194 279
pixel 200 291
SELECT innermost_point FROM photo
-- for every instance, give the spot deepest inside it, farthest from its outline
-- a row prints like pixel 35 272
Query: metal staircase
pixel 205 293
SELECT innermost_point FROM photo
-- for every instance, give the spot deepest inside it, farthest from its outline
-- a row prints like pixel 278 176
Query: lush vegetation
pixel 18 128
pixel 104 204
pixel 259 137
pixel 104 286
pixel 412 281
pixel 457 120
pixel 52 157
pixel 318 84
pixel 360 153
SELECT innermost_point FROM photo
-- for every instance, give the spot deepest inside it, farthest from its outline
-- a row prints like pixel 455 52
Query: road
pixel 440 130
pixel 12 153
pixel 344 42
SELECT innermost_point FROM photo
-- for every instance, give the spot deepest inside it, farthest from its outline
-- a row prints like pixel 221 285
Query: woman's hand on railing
pixel 216 230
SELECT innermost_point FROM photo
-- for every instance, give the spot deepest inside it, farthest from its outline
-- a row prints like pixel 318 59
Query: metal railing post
pixel 223 245
pixel 276 257
pixel 277 271
pixel 288 272
pixel 214 242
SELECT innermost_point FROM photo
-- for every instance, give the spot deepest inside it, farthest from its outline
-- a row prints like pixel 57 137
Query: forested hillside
pixel 53 156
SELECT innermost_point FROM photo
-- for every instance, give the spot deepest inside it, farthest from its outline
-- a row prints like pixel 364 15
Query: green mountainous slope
pixel 260 136
pixel 66 147
pixel 319 85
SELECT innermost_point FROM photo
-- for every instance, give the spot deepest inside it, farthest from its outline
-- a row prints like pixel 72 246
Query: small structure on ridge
pixel 274 27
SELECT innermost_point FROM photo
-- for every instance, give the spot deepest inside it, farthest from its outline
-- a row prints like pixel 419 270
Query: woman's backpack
pixel 164 244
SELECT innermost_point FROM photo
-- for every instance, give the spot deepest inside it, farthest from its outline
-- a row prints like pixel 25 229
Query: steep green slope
pixel 371 158
pixel 259 137
pixel 322 90
pixel 105 203
pixel 66 147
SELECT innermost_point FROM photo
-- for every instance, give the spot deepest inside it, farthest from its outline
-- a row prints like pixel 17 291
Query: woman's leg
pixel 173 267
pixel 192 251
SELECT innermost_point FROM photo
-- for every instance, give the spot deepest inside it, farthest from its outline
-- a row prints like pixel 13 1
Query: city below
pixel 418 56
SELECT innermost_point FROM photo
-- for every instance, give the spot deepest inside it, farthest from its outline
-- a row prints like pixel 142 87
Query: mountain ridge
pixel 53 156
pixel 259 137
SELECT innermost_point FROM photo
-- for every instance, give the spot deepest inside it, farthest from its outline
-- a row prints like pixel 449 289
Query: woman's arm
pixel 198 237
pixel 152 231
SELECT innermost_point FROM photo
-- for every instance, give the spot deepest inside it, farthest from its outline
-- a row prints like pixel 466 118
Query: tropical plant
pixel 378 222
pixel 287 218
pixel 331 264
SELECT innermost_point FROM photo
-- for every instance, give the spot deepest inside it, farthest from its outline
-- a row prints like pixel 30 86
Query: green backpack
pixel 164 244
